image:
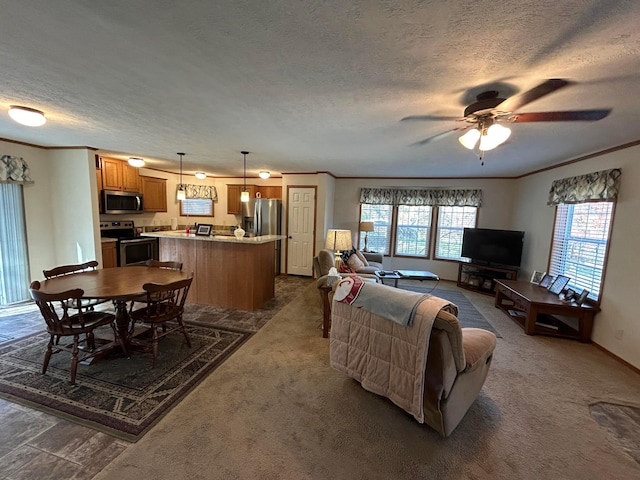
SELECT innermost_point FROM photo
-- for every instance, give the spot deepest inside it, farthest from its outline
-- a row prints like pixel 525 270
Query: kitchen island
pixel 227 272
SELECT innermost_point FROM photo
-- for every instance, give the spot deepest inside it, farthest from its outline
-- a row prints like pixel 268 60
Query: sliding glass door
pixel 14 260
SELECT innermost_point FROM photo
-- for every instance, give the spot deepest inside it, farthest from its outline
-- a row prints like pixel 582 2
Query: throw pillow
pixel 345 254
pixel 345 268
pixel 362 258
pixel 355 263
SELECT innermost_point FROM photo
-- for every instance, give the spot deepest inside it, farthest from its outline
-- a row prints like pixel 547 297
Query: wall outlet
pixel 619 334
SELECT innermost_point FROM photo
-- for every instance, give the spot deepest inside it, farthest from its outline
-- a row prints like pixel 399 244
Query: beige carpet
pixel 276 410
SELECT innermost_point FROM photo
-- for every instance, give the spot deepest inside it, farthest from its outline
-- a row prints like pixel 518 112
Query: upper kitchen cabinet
pixel 119 175
pixel 233 197
pixel 270 191
pixel 130 178
pixel 154 194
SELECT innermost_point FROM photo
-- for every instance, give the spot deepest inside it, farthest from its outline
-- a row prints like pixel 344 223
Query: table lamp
pixel 366 227
pixel 338 240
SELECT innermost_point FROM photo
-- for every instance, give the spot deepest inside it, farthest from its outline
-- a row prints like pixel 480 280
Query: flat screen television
pixel 493 247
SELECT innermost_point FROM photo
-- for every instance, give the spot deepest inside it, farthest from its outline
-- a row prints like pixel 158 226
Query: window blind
pixel 580 244
pixel 14 262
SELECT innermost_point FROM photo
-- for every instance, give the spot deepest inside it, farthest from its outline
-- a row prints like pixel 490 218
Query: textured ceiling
pixel 316 85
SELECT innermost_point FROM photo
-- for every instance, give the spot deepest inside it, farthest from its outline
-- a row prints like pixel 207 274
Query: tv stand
pixel 481 277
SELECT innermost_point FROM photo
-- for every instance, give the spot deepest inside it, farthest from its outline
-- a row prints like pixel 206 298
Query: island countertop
pixel 182 235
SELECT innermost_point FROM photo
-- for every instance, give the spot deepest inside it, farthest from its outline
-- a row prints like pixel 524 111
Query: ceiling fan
pixel 483 117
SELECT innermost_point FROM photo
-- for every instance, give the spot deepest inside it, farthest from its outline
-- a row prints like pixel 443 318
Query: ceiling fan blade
pixel 438 136
pixel 569 116
pixel 545 88
pixel 421 118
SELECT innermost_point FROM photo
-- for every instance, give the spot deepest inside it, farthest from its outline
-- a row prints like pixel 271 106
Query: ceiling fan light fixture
pixel 136 162
pixel 27 116
pixel 496 135
pixel 201 175
pixel 264 174
pixel 470 139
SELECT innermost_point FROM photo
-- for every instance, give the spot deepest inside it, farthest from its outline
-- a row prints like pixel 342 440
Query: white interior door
pixel 301 221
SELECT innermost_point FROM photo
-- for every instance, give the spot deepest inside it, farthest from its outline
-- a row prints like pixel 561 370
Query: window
pixel 413 230
pixel 14 260
pixel 451 224
pixel 200 207
pixel 380 238
pixel 579 246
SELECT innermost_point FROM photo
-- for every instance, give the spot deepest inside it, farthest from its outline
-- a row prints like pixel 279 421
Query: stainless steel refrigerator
pixel 267 220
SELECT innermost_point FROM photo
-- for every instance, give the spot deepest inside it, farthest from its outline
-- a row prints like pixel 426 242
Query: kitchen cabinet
pixel 111 173
pixel 154 193
pixel 270 191
pixel 109 255
pixel 233 197
pixel 100 187
pixel 130 178
pixel 119 175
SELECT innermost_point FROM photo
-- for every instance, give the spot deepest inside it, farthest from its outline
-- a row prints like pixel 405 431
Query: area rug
pixel 120 396
pixel 468 315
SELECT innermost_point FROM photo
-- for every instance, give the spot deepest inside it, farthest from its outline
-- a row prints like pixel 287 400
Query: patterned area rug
pixel 468 315
pixel 120 396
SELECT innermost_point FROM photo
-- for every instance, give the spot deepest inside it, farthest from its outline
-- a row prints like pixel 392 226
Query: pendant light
pixel 181 194
pixel 244 196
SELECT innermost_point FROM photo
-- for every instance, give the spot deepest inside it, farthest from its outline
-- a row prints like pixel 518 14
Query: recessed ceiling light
pixel 27 116
pixel 264 174
pixel 201 175
pixel 136 162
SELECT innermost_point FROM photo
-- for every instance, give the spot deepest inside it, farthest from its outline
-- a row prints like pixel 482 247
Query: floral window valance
pixel 201 191
pixel 14 170
pixel 600 186
pixel 421 196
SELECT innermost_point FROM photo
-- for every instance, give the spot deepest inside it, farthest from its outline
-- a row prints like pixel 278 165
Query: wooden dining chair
pixel 70 270
pixel 155 264
pixel 164 309
pixel 54 308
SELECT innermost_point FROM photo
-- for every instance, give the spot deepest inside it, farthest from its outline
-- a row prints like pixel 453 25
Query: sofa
pixel 357 261
pixel 385 358
pixel 321 265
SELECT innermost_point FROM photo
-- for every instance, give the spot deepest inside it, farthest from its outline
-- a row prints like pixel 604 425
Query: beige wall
pixel 496 212
pixel 616 327
pixel 61 221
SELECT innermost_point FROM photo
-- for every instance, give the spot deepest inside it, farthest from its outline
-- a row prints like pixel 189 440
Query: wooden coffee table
pixel 396 275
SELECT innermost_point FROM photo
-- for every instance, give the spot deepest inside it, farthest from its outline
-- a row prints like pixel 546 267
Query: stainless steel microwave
pixel 117 202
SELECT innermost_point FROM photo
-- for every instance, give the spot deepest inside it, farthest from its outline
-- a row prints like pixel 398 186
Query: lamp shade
pixel 244 196
pixel 338 240
pixel 496 135
pixel 367 227
pixel 469 139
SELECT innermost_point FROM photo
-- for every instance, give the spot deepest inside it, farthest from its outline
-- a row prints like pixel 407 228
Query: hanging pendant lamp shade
pixel 244 196
pixel 180 194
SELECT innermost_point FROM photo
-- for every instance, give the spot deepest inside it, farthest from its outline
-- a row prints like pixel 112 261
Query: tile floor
pixel 34 444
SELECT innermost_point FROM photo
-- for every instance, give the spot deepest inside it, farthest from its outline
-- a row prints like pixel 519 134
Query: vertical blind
pixel 14 264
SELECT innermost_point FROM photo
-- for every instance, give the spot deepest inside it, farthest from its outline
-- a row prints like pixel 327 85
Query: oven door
pixel 137 251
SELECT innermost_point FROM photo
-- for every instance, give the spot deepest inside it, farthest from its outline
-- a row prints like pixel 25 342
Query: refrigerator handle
pixel 257 228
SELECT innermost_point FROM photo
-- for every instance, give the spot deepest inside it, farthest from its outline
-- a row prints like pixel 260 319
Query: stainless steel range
pixel 131 249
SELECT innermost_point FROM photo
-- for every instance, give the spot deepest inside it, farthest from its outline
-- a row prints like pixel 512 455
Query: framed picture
pixel 580 299
pixel 537 276
pixel 546 280
pixel 204 229
pixel 558 284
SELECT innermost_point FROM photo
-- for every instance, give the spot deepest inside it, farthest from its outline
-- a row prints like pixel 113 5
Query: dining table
pixel 120 284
